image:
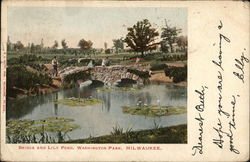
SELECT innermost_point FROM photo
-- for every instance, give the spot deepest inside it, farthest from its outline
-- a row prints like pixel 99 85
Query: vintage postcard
pixel 124 80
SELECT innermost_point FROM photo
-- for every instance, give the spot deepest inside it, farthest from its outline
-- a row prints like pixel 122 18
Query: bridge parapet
pixel 108 74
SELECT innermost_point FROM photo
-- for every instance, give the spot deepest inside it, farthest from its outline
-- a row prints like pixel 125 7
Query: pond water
pixel 99 119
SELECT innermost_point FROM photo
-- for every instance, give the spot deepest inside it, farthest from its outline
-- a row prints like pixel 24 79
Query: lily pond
pixel 80 113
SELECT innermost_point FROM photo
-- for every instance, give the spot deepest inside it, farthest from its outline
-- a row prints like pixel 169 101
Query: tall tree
pixel 118 44
pixel 18 46
pixel 182 42
pixel 105 45
pixel 32 48
pixel 85 45
pixel 141 37
pixel 55 46
pixel 169 35
pixel 64 44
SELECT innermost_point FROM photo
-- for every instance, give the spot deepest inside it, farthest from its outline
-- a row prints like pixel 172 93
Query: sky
pixel 98 24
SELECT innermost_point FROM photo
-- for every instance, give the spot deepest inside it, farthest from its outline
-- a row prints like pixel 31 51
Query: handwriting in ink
pixel 232 124
pixel 240 63
pixel 200 108
pixel 222 37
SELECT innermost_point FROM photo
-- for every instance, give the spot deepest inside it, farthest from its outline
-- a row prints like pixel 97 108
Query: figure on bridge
pixel 55 66
pixel 105 61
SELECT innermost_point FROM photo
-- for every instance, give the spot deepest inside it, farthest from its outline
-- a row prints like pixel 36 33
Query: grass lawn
pixel 173 134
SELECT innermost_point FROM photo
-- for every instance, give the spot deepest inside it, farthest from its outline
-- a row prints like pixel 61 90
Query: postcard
pixel 124 80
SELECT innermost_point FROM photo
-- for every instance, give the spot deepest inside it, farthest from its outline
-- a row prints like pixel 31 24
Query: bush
pixel 174 58
pixel 178 74
pixel 81 75
pixel 141 74
pixel 108 51
pixel 20 77
pixel 26 60
pixel 157 66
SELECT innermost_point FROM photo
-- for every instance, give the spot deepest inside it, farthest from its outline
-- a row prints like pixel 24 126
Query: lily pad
pixel 154 110
pixel 31 127
pixel 78 101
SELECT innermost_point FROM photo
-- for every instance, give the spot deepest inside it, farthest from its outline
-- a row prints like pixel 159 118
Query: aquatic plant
pixel 117 130
pixel 154 110
pixel 78 101
pixel 173 134
pixel 39 131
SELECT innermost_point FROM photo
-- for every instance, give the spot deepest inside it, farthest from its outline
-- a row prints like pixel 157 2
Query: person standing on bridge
pixel 55 65
pixel 105 61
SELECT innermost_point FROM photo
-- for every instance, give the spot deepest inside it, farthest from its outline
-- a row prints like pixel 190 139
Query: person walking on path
pixel 55 66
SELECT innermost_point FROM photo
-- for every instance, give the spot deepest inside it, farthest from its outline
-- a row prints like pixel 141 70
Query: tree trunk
pixel 171 48
pixel 142 53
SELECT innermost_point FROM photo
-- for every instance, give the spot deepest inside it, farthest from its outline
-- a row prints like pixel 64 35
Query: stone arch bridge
pixel 108 74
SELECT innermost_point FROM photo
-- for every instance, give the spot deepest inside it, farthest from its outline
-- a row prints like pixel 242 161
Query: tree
pixel 118 44
pixel 169 35
pixel 164 47
pixel 85 45
pixel 182 42
pixel 32 48
pixel 18 46
pixel 141 37
pixel 105 45
pixel 64 44
pixel 55 45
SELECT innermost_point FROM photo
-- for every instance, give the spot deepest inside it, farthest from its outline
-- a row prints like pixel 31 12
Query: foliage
pixel 78 101
pixel 108 51
pixel 173 58
pixel 18 46
pixel 117 130
pixel 55 46
pixel 36 131
pixel 80 75
pixel 105 45
pixel 141 74
pixel 182 42
pixel 141 37
pixel 26 60
pixel 164 47
pixel 154 110
pixel 178 74
pixel 20 77
pixel 169 35
pixel 173 134
pixel 64 44
pixel 157 66
pixel 85 45
pixel 118 44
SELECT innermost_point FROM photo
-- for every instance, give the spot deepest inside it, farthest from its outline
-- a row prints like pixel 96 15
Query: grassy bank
pixel 174 134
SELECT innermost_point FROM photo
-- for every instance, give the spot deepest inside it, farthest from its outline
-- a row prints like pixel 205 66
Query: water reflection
pixel 56 105
pixel 100 119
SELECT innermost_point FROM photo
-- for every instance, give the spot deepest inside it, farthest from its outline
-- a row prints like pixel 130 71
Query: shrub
pixel 174 58
pixel 157 66
pixel 141 74
pixel 20 77
pixel 178 74
pixel 81 75
pixel 26 60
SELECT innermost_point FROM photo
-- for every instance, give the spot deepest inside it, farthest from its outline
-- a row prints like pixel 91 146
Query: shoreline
pixel 171 134
pixel 56 86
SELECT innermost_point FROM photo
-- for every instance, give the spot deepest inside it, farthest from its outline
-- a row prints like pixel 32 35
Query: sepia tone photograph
pixel 96 75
